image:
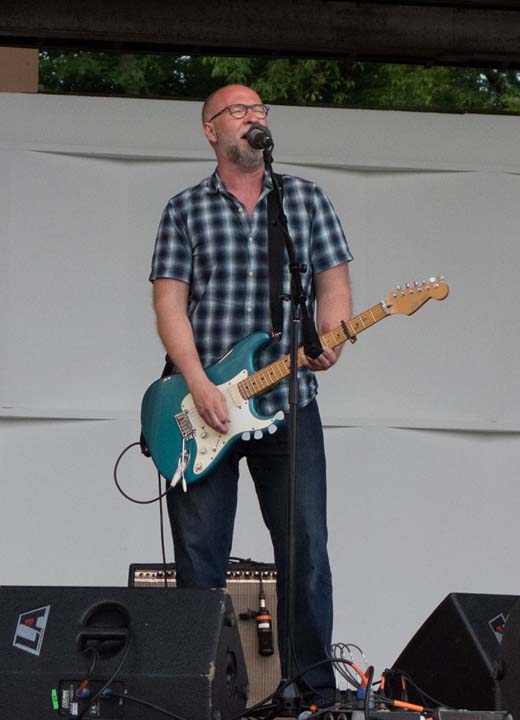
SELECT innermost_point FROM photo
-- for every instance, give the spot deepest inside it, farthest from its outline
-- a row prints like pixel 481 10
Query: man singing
pixel 210 275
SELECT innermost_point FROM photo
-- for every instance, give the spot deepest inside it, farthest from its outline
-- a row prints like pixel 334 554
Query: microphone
pixel 259 137
pixel 264 626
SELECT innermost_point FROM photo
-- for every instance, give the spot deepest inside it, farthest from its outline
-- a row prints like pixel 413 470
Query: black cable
pixel 344 672
pixel 386 701
pixel 161 522
pixel 158 499
pixel 332 659
pixel 168 713
pixel 424 695
pixel 421 692
pixel 116 672
pixel 145 703
pixel 353 645
pixel 264 713
pixel 123 493
pixel 94 661
pixel 317 664
pixel 262 703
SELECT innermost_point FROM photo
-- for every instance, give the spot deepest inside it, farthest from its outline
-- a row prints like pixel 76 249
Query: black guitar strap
pixel 168 368
pixel 167 371
pixel 276 245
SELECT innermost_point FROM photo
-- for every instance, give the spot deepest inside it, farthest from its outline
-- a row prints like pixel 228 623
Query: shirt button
pixel 250 273
pixel 250 238
pixel 249 308
pixel 240 210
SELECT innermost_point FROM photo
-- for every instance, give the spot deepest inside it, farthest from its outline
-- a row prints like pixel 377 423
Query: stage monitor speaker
pixel 509 664
pixel 453 656
pixel 243 584
pixel 178 649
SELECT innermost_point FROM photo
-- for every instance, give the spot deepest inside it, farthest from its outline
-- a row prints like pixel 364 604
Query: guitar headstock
pixel 408 299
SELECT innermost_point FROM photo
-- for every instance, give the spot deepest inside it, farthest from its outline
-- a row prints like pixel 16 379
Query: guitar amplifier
pixel 243 585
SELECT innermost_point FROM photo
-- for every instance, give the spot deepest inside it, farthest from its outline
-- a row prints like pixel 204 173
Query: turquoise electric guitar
pixel 183 447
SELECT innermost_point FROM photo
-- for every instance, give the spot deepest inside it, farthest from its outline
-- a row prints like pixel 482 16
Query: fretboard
pixel 264 379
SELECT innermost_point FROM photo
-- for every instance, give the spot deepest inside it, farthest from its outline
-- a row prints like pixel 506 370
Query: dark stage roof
pixel 437 32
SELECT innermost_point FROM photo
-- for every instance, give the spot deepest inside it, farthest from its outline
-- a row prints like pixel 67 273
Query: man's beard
pixel 241 155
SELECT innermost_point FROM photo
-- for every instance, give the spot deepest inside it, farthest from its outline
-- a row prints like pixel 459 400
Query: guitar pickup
pixel 235 394
pixel 184 423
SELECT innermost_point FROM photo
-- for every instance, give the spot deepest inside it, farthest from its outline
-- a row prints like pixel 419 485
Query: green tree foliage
pixel 103 73
pixel 291 81
pixel 375 85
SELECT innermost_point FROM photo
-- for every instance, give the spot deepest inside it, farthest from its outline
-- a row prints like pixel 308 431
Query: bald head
pixel 227 95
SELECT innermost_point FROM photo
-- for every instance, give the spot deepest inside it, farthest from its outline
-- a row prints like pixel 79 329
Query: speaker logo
pixel 497 625
pixel 30 630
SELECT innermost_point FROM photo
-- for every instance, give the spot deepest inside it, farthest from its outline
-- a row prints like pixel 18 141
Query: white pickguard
pixel 209 443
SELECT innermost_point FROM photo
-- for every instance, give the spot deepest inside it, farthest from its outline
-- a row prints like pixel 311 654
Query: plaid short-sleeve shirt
pixel 206 239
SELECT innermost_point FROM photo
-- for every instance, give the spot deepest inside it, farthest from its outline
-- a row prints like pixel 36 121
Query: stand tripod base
pixel 289 700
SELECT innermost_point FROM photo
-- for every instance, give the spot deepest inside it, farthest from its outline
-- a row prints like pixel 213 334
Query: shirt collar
pixel 215 183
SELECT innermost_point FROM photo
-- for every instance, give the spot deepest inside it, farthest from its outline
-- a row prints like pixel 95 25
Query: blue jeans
pixel 202 525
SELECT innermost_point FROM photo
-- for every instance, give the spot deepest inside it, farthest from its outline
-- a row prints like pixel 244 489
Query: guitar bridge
pixel 184 423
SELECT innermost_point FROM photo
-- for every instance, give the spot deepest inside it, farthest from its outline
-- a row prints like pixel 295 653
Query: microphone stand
pixel 312 347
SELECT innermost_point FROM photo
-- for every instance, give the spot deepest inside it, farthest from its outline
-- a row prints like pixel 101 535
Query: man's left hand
pixel 324 361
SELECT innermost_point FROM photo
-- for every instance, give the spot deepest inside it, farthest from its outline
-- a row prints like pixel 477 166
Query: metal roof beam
pixel 468 32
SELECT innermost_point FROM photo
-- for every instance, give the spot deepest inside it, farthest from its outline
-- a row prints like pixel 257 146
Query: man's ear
pixel 209 132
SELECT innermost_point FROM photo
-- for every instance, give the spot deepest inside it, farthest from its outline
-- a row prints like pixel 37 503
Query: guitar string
pixel 281 365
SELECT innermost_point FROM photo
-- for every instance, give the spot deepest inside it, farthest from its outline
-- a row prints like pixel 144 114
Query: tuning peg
pixel 408 285
pixel 258 435
pixel 415 283
pixel 246 436
pixel 398 287
pixel 271 429
pixel 279 415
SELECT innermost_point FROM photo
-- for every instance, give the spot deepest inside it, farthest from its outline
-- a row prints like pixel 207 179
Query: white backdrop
pixel 422 414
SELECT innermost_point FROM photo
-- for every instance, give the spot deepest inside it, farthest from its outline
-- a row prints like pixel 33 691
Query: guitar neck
pixel 269 376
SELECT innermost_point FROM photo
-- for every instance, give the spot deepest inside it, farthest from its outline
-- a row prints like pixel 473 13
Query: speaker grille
pixel 243 585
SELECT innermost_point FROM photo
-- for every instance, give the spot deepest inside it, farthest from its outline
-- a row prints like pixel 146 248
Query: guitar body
pixel 168 414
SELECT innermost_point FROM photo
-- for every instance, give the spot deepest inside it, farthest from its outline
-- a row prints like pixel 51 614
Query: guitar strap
pixel 275 245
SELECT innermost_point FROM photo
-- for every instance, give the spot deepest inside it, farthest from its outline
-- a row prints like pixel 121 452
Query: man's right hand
pixel 212 405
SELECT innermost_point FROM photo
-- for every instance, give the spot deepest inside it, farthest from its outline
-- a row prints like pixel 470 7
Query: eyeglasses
pixel 239 110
